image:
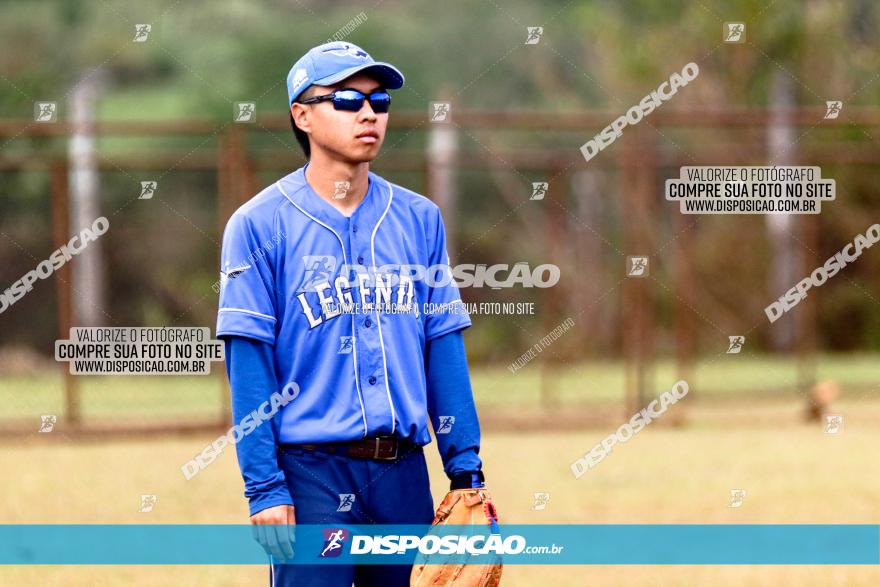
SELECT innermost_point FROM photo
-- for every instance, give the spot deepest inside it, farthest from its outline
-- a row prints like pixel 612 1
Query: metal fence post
pixel 60 223
pixel 638 174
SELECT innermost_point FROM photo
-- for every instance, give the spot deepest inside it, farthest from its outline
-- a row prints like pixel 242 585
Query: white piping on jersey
pixel 353 335
pixel 251 312
pixel 378 317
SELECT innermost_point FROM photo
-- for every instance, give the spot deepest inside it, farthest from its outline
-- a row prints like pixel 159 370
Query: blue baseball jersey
pixel 339 300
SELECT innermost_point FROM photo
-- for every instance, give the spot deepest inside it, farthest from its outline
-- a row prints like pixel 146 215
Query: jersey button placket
pixel 355 241
pixel 369 336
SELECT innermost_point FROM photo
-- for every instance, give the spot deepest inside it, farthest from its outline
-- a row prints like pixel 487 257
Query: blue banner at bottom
pixel 564 544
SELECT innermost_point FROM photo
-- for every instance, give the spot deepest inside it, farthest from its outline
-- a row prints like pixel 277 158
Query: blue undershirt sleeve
pixel 251 371
pixel 450 396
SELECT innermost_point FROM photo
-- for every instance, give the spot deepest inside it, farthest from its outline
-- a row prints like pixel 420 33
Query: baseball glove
pixel 466 507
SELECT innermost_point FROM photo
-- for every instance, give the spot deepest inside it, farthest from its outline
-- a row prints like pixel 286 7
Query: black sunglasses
pixel 353 100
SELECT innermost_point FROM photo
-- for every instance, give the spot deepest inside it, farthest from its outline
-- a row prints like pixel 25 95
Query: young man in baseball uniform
pixel 311 269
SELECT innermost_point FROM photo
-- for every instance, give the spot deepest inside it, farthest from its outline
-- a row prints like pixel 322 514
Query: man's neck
pixel 342 185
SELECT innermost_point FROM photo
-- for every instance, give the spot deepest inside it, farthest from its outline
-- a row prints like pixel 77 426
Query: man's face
pixel 353 137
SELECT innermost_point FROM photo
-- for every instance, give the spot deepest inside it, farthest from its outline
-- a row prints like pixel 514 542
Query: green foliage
pixel 594 55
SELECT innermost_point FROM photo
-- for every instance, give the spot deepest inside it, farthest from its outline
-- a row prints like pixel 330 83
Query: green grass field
pixel 729 377
pixel 792 471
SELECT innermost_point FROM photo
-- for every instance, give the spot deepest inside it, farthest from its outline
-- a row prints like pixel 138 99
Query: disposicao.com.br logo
pixel 430 544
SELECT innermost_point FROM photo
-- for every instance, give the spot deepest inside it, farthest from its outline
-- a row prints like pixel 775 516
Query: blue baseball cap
pixel 330 63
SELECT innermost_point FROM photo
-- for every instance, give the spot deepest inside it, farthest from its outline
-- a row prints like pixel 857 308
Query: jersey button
pixel 360 260
pixel 368 322
pixel 372 380
pixel 354 228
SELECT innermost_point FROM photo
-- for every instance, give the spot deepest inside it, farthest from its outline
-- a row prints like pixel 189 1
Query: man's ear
pixel 300 114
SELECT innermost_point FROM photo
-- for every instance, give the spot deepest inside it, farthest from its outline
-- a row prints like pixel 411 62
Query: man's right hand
pixel 273 528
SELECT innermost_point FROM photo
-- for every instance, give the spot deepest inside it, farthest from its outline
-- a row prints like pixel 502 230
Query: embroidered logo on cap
pixel 348 49
pixel 299 78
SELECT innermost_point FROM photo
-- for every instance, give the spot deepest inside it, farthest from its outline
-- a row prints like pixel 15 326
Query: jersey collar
pixel 368 213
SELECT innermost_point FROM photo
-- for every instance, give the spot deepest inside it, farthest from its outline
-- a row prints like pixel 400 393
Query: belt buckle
pixel 376 451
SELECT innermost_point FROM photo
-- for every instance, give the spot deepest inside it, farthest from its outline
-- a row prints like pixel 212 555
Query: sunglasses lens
pixel 348 100
pixel 380 101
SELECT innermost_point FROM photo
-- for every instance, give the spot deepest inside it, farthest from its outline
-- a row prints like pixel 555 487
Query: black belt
pixel 383 448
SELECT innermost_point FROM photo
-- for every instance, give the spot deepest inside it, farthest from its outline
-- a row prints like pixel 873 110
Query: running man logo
pixel 832 109
pixel 541 500
pixel 342 188
pixel 346 500
pixel 636 266
pixel 735 344
pixel 737 496
pixel 533 34
pixel 141 32
pixel 45 111
pixel 334 539
pixel 445 424
pixel 47 423
pixel 148 188
pixel 734 32
pixel 319 269
pixel 440 111
pixel 245 112
pixel 833 424
pixel 345 345
pixel 147 503
pixel 539 190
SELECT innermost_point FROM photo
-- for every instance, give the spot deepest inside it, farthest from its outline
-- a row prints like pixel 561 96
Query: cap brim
pixel 388 75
